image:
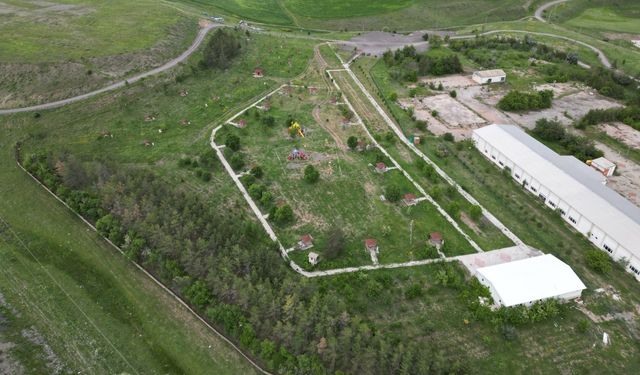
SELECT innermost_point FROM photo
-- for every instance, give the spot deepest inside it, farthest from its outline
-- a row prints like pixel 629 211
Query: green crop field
pixel 606 19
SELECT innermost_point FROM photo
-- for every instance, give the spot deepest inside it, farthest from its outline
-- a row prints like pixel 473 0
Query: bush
pixel 311 174
pixel 233 142
pixel 352 142
pixel 236 161
pixel 208 158
pixel 598 261
pixel 516 100
pixel 448 137
pixel 453 93
pixel 257 171
pixel 283 214
pixel 392 193
pixel 475 212
pixel 198 294
pixel 268 121
pixel 413 291
pixel 256 191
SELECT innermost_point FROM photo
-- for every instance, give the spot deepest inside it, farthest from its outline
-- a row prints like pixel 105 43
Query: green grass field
pixel 82 29
pixel 367 15
pixel 605 19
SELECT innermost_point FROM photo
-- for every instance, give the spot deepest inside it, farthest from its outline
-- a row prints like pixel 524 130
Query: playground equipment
pixel 297 155
pixel 297 128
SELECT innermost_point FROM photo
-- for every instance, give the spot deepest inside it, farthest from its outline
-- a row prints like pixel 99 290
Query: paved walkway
pixel 196 43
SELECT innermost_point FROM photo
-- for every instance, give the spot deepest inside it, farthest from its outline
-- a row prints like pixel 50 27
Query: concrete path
pixel 543 7
pixel 196 43
pixel 440 172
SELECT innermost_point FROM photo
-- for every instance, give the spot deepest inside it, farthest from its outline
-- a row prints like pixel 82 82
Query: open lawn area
pixel 347 194
pixel 606 19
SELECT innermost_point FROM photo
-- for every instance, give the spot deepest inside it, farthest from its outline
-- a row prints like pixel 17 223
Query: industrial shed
pixel 569 186
pixel 526 281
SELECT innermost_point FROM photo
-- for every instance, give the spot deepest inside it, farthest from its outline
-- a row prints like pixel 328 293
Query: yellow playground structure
pixel 296 127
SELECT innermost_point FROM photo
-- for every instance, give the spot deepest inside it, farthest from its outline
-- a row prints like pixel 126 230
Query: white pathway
pixel 424 157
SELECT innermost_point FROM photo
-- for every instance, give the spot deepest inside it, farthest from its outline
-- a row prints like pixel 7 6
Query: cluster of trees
pixel 629 115
pixel 553 132
pixel 221 49
pixel 474 49
pixel 516 101
pixel 406 64
pixel 227 268
pixel 202 165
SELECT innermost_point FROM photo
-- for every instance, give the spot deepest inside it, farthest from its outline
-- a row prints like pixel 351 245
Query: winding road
pixel 194 46
pixel 546 6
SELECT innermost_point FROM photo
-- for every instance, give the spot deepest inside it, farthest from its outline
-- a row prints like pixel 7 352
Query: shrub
pixel 233 142
pixel 352 142
pixel 256 191
pixel 257 171
pixel 516 100
pixel 598 261
pixel 198 294
pixel 453 93
pixel 283 214
pixel 448 137
pixel 311 174
pixel 413 291
pixel 236 161
pixel 475 212
pixel 392 193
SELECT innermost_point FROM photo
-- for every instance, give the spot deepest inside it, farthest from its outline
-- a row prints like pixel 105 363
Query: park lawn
pixel 347 194
pixel 88 29
pixel 606 19
pixel 96 311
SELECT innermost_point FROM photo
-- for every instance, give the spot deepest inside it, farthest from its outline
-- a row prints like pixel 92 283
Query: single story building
pixel 526 281
pixel 604 166
pixel 314 258
pixel 381 167
pixel 258 73
pixel 435 239
pixel 568 186
pixel 371 245
pixel 306 242
pixel 409 199
pixel 489 76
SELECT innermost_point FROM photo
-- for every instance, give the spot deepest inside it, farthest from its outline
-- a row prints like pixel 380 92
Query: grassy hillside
pixel 367 15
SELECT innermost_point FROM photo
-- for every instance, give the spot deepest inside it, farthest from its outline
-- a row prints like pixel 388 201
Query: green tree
pixel 392 193
pixel 598 261
pixel 475 212
pixel 221 49
pixel 283 214
pixel 257 171
pixel 198 294
pixel 311 174
pixel 233 142
pixel 352 142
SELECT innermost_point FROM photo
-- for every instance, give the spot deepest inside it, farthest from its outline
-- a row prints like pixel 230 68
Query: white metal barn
pixel 526 281
pixel 569 186
pixel 489 76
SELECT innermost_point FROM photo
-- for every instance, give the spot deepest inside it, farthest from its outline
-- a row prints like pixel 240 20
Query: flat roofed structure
pixel 569 186
pixel 489 76
pixel 526 281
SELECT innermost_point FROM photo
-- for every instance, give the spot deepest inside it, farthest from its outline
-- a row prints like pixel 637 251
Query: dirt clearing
pixel 623 133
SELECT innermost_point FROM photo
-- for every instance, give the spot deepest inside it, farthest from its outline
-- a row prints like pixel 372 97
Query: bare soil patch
pixel 627 180
pixel 450 82
pixel 623 132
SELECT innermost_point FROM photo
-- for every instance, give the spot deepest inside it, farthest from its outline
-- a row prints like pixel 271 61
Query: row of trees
pixel 553 132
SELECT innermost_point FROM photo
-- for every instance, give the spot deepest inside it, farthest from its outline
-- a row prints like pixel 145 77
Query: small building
pixel 409 199
pixel 416 140
pixel 435 239
pixel 381 167
pixel 258 73
pixel 371 245
pixel 313 258
pixel 489 76
pixel 361 145
pixel 526 281
pixel 305 242
pixel 602 165
pixel 242 123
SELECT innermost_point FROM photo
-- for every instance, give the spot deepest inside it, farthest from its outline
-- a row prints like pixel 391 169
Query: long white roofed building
pixel 569 186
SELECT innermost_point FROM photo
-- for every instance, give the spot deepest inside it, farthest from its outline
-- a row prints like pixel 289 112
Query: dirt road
pixel 546 6
pixel 196 43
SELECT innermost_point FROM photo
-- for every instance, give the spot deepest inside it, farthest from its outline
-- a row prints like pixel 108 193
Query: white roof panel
pixel 572 181
pixel 531 279
pixel 490 73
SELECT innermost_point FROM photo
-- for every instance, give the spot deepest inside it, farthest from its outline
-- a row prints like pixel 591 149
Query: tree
pixel 269 121
pixel 233 142
pixel 198 294
pixel 598 261
pixel 448 137
pixel 283 214
pixel 453 93
pixel 392 193
pixel 311 174
pixel 236 161
pixel 257 171
pixel 335 243
pixel 221 49
pixel 435 41
pixel 475 212
pixel 352 142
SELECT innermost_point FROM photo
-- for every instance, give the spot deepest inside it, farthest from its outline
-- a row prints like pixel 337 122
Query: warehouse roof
pixel 490 73
pixel 572 181
pixel 530 280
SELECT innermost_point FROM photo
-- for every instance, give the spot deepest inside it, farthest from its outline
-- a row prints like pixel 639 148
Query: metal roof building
pixel 526 281
pixel 569 186
pixel 489 76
